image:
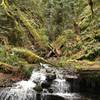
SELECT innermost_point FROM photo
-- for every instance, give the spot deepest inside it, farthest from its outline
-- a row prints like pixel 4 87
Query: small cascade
pixel 60 86
pixel 53 86
pixel 37 77
pixel 22 90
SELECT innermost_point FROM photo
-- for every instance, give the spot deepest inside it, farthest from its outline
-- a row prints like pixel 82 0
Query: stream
pixel 45 83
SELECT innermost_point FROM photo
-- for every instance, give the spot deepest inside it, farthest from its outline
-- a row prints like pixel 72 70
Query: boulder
pixel 50 77
pixel 45 84
pixel 38 88
pixel 70 78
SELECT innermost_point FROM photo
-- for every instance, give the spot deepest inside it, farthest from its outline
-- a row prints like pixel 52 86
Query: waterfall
pixel 22 90
pixel 60 86
pixel 25 90
pixel 37 77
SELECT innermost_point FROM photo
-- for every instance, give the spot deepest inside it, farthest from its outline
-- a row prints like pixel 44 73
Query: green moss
pixel 27 70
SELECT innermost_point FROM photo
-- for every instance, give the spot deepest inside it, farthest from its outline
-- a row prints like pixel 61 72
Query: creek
pixel 45 83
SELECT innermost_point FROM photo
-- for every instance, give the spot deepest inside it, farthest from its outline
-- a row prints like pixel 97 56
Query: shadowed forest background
pixel 62 33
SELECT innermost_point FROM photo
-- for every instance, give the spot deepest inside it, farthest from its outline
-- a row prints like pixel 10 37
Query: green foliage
pixel 8 57
pixel 68 26
pixel 8 60
pixel 27 70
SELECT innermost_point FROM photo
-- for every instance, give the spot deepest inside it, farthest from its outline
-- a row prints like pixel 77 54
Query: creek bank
pixel 5 80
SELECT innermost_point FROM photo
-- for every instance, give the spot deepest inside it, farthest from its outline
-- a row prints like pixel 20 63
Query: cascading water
pixel 60 86
pixel 24 90
pixel 20 91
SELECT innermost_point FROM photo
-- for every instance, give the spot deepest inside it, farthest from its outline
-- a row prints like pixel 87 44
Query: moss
pixel 38 88
pixel 27 70
pixel 28 55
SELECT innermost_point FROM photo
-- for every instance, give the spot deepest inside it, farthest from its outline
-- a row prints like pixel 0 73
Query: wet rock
pixel 46 84
pixel 53 97
pixel 38 96
pixel 90 81
pixel 38 88
pixel 50 77
pixel 49 70
pixel 71 77
pixel 50 90
pixel 73 81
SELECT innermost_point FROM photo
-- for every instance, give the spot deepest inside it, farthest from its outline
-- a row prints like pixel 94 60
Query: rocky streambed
pixel 46 83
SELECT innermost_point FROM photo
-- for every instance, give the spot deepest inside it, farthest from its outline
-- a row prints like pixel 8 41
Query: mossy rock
pixel 38 88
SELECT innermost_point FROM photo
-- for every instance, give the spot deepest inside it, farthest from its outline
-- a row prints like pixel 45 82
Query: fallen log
pixel 31 57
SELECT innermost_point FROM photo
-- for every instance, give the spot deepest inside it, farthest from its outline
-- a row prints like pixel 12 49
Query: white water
pixel 60 86
pixel 37 77
pixel 23 90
